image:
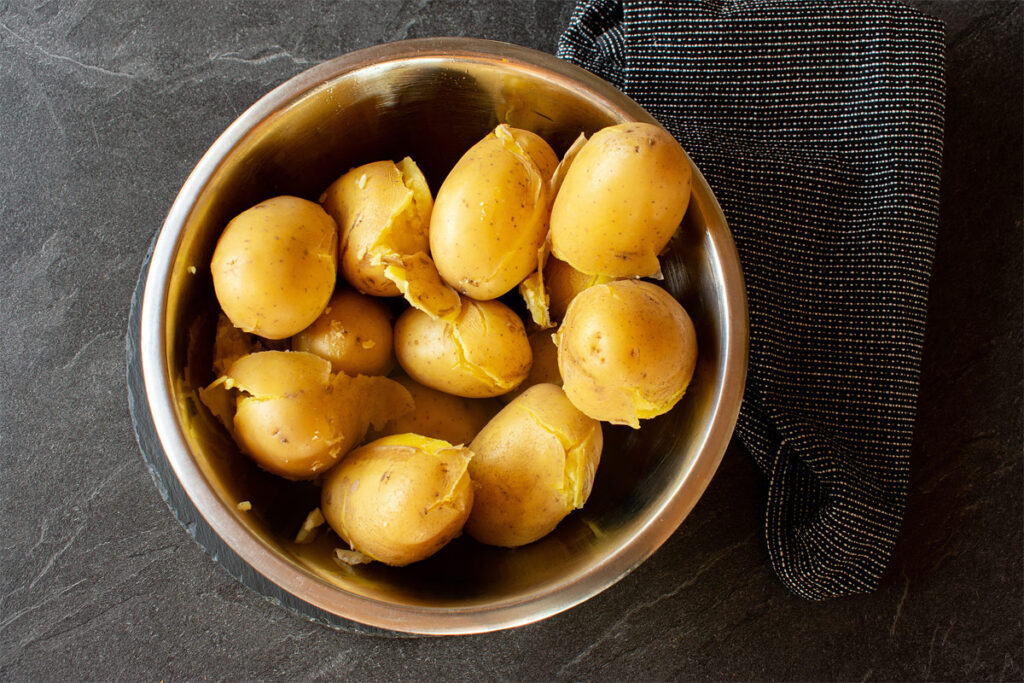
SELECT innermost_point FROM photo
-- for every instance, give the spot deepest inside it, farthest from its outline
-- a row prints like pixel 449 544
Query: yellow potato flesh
pixel 442 416
pixel 353 333
pixel 622 199
pixel 383 211
pixel 484 352
pixel 534 288
pixel 296 419
pixel 367 202
pixel 399 499
pixel 274 266
pixel 491 214
pixel 532 465
pixel 626 351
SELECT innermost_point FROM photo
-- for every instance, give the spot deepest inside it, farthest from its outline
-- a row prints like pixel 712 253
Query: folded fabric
pixel 818 124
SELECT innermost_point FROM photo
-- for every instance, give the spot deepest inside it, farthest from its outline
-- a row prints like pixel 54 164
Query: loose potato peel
pixel 293 416
pixel 532 289
pixel 579 472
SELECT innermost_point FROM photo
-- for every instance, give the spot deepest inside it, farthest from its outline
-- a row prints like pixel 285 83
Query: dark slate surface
pixel 104 108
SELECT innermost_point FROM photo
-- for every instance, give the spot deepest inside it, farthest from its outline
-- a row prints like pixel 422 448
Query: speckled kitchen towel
pixel 818 125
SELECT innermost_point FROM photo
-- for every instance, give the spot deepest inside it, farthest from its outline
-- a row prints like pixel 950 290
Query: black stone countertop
pixel 105 106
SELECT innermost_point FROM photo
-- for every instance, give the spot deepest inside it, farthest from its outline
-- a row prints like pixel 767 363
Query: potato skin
pixel 483 353
pixel 621 201
pixel 399 499
pixel 296 419
pixel 438 415
pixel 532 465
pixel 564 282
pixel 289 418
pixel 544 369
pixel 378 204
pixel 626 351
pixel 274 266
pixel 353 333
pixel 491 213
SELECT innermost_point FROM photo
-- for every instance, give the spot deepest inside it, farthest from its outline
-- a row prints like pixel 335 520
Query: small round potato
pixel 491 213
pixel 626 351
pixel 442 416
pixel 622 199
pixel 296 419
pixel 379 206
pixel 353 333
pixel 399 499
pixel 532 465
pixel 274 266
pixel 483 353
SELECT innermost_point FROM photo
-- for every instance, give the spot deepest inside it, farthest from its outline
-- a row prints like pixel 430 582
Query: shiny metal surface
pixel 431 99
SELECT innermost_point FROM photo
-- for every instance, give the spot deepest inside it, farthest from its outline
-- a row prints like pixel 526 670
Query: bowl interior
pixel 432 105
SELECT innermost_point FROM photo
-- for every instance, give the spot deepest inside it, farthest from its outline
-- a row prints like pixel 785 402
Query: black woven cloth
pixel 818 125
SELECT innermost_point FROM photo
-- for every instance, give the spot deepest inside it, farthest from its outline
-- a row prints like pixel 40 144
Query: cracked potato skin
pixel 532 465
pixel 491 213
pixel 399 499
pixel 485 352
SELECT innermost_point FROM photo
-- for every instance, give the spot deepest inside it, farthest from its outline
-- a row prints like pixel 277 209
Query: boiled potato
pixel 377 204
pixel 532 465
pixel 383 210
pixel 399 499
pixel 483 353
pixel 442 416
pixel 626 351
pixel 296 419
pixel 353 333
pixel 491 213
pixel 563 283
pixel 274 266
pixel 622 199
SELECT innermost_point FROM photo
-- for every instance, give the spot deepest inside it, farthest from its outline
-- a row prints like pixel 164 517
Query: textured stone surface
pixel 104 108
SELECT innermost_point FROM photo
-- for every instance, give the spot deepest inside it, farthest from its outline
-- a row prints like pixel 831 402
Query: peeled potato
pixel 274 266
pixel 626 351
pixel 622 199
pixel 491 213
pixel 399 499
pixel 442 416
pixel 296 419
pixel 532 465
pixel 483 353
pixel 353 333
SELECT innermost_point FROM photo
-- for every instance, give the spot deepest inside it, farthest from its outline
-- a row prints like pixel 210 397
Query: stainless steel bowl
pixel 430 99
